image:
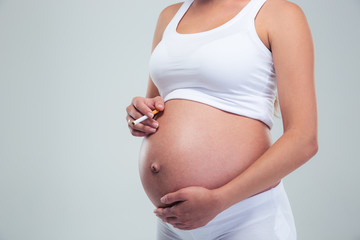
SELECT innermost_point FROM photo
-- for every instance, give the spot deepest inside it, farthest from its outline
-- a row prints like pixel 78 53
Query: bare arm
pixel 293 56
pixel 144 105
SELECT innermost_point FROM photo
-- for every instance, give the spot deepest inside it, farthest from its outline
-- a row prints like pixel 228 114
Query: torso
pixel 199 20
pixel 196 144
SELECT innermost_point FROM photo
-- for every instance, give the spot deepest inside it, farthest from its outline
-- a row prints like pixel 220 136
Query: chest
pixel 219 63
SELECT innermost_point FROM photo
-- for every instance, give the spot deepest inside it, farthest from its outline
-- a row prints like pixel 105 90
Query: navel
pixel 155 167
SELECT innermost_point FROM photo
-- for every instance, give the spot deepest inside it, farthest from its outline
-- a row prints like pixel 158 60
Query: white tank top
pixel 227 67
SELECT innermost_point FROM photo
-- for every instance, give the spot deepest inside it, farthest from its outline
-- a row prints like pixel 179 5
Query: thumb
pixel 159 103
pixel 174 197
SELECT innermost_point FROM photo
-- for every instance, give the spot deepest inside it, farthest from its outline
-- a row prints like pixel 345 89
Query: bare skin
pixel 283 29
pixel 192 149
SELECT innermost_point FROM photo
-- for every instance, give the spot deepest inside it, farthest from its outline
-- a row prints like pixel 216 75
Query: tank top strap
pixel 255 7
pixel 250 25
pixel 171 27
pixel 250 11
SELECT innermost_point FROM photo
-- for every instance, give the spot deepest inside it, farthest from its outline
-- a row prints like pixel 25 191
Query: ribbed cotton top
pixel 227 67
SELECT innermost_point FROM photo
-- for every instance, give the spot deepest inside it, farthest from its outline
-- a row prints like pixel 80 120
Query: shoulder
pixel 282 7
pixel 164 19
pixel 167 14
pixel 284 21
pixel 171 9
pixel 282 13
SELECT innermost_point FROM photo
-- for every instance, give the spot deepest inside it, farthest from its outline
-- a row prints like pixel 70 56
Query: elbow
pixel 314 146
pixel 311 146
pixel 307 144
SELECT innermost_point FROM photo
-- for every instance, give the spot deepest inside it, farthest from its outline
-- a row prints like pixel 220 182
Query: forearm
pixel 288 153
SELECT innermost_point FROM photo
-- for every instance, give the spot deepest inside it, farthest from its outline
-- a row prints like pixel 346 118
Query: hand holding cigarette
pixel 143 118
pixel 140 115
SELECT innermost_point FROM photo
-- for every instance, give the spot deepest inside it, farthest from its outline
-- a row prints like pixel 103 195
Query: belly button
pixel 155 168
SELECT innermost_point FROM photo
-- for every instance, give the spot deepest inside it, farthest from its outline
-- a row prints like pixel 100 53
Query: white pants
pixel 265 216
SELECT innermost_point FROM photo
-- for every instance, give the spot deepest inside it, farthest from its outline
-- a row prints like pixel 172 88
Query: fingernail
pixel 150 115
pixel 152 129
pixel 155 125
pixel 163 199
pixel 160 105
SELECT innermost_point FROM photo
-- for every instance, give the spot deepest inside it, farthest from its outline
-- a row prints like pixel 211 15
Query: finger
pixel 170 198
pixel 173 220
pixel 182 226
pixel 166 212
pixel 138 133
pixel 133 112
pixel 159 103
pixel 155 103
pixel 149 122
pixel 141 127
pixel 169 212
pixel 161 217
pixel 158 211
pixel 142 107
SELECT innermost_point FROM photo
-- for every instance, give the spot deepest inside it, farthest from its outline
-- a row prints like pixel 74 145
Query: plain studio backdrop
pixel 68 164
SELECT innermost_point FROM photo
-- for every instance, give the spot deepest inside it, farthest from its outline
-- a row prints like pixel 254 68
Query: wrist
pixel 222 198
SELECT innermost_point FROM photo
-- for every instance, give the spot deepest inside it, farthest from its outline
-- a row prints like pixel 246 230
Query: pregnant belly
pixel 198 145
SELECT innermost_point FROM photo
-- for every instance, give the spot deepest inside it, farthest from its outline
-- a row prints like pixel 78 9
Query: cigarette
pixel 143 118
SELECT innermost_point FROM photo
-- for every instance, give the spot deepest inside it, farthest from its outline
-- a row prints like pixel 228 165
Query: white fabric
pixel 266 216
pixel 227 67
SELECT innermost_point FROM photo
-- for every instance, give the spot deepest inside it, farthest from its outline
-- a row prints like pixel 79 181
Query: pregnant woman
pixel 207 162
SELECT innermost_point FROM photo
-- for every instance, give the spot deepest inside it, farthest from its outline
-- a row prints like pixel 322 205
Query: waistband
pixel 256 200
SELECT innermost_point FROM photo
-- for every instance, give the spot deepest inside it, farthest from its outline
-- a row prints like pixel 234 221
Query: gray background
pixel 68 166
